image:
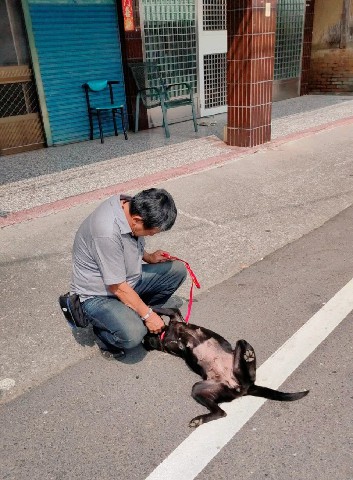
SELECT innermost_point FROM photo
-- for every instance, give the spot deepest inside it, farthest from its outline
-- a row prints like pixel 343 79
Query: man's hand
pixel 156 257
pixel 154 323
pixel 130 298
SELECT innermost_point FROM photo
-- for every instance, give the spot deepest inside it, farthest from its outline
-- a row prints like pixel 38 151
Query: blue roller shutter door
pixel 75 43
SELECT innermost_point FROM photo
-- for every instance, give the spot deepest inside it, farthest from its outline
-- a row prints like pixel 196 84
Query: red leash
pixel 194 281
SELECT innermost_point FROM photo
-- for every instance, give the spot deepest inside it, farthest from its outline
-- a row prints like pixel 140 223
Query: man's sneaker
pixel 118 355
pixel 173 302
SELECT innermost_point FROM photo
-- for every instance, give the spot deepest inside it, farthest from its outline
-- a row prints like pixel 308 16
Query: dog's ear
pixel 172 313
pixel 152 341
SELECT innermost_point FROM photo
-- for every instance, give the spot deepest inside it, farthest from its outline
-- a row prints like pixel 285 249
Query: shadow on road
pixel 86 338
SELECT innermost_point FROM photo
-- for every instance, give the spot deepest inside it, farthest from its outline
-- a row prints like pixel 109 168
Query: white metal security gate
pixel 212 35
pixel 169 36
pixel 288 48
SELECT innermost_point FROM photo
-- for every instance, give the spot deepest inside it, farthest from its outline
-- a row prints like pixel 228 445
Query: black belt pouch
pixel 71 307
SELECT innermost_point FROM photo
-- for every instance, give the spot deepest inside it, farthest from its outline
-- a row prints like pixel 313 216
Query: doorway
pixel 169 38
pixel 20 122
pixel 212 56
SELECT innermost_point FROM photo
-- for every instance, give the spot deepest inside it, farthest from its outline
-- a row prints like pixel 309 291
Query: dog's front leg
pixel 207 394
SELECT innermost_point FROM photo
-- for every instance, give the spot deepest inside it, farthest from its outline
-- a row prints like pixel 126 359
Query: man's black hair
pixel 156 207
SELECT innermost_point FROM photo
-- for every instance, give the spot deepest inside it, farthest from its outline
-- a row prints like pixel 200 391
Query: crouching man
pixel 116 288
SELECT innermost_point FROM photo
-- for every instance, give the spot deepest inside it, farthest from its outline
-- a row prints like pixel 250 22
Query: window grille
pixel 289 38
pixel 18 99
pixel 214 14
pixel 170 39
pixel 215 68
pixel 20 124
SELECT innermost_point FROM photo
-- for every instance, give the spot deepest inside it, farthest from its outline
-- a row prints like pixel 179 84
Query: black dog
pixel 227 374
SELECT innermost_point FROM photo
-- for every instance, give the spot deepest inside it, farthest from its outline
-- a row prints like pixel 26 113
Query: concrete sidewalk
pixel 86 171
pixel 288 116
pixel 229 218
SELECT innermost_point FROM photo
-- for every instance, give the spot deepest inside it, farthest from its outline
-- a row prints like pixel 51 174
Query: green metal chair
pixel 154 92
pixel 96 88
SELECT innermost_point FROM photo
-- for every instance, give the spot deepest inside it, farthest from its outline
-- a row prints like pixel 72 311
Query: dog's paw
pixel 249 356
pixel 196 422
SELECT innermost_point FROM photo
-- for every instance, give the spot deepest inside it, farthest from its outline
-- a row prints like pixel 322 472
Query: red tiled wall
pixel 307 41
pixel 132 50
pixel 251 42
pixel 133 42
pixel 331 71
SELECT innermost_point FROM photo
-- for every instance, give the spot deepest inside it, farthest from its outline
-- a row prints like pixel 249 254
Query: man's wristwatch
pixel 148 314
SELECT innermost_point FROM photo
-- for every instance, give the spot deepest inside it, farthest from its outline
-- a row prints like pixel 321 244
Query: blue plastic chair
pixel 95 87
pixel 153 91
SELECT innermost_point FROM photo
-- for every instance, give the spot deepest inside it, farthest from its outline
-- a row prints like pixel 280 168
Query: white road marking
pixel 203 444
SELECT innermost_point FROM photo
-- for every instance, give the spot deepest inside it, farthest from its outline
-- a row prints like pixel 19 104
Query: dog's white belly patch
pixel 217 363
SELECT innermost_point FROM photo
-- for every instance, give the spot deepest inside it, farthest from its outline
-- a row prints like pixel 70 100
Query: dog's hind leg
pixel 207 394
pixel 244 365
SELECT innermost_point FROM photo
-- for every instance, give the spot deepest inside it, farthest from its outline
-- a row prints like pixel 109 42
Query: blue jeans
pixel 118 326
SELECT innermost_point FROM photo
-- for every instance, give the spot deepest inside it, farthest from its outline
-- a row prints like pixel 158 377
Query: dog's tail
pixel 269 393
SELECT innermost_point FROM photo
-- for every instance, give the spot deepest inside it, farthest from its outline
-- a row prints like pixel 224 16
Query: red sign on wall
pixel 129 24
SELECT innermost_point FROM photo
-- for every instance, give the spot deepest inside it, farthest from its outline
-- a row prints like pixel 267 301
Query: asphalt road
pixel 102 420
pixel 71 414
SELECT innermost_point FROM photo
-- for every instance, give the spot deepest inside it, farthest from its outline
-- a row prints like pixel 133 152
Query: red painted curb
pixel 148 180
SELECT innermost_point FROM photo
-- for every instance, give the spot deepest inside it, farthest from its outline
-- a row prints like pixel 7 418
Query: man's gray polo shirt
pixel 105 252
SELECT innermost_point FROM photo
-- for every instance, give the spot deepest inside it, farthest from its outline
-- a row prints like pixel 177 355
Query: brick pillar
pixel 251 28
